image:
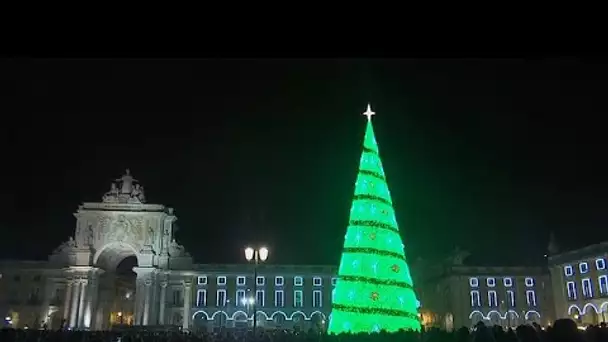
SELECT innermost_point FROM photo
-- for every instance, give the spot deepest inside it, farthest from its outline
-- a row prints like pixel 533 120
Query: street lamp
pixel 247 301
pixel 257 256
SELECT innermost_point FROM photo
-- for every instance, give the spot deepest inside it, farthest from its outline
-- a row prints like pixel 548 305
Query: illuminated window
pixel 583 267
pixel 571 286
pixel 492 299
pixel 600 264
pixel 511 298
pixel 221 280
pixel 317 281
pixel 202 280
pixel 603 281
pixel 491 282
pixel 240 298
pixel 260 281
pixel 298 281
pixel 508 282
pixel 201 298
pixel 220 300
pixel 279 281
pixel 529 282
pixel 568 271
pixel 474 282
pixel 317 299
pixel 259 298
pixel 240 280
pixel 531 297
pixel 279 298
pixel 298 299
pixel 587 291
pixel 475 299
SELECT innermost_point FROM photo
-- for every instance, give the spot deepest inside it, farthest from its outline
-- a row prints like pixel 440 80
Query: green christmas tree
pixel 374 290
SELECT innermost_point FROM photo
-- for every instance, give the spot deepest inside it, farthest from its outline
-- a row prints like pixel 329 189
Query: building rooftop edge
pixel 580 253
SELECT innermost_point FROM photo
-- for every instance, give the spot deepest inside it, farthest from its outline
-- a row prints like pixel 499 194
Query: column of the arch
pixel 81 302
pixel 137 307
pixel 92 295
pixel 155 298
pixel 142 294
pixel 187 303
pixel 163 300
pixel 74 303
pixel 147 300
pixel 67 299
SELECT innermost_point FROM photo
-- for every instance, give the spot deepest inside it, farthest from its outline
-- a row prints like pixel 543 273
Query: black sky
pixel 490 155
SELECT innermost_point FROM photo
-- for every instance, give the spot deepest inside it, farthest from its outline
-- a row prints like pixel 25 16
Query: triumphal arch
pixel 120 226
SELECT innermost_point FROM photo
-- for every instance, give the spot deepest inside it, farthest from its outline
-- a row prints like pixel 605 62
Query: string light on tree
pixel 375 289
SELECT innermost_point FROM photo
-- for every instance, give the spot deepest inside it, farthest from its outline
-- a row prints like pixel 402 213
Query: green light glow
pixel 374 290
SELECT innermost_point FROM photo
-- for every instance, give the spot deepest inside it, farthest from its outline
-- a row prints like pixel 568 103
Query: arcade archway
pixel 111 255
pixel 117 285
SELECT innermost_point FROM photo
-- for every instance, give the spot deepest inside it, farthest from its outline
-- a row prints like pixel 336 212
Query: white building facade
pixel 580 284
pixel 455 295
pixel 77 287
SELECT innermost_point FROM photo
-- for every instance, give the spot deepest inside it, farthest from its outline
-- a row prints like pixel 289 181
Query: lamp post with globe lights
pixel 256 256
pixel 248 302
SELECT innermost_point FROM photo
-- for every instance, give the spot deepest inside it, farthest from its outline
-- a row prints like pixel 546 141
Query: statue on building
pixel 66 245
pixel 458 256
pixel 112 195
pixel 150 236
pixel 127 183
pixel 137 195
pixel 177 250
pixel 553 247
pixel 125 192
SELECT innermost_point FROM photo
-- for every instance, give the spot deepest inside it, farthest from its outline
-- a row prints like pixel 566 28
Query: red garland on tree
pixel 375 296
pixel 372 236
pixel 395 268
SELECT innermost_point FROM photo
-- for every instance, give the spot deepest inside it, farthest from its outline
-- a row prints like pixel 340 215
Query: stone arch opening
pixel 299 321
pixel 494 318
pixel 279 318
pixel 220 319
pixel 512 319
pixel 241 322
pixel 476 317
pixel 117 284
pixel 110 256
pixel 317 321
pixel 532 317
pixel 199 322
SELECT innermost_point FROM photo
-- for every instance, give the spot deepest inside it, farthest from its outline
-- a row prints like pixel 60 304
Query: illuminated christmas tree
pixel 374 290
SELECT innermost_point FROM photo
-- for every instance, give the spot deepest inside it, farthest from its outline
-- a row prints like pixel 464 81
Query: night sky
pixel 490 155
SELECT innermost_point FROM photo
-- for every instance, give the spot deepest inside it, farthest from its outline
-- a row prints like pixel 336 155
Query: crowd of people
pixel 563 330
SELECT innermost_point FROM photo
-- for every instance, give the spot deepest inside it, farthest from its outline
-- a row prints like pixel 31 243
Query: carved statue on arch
pixel 125 190
pixel 150 236
pixel 127 182
pixel 112 195
pixel 90 235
